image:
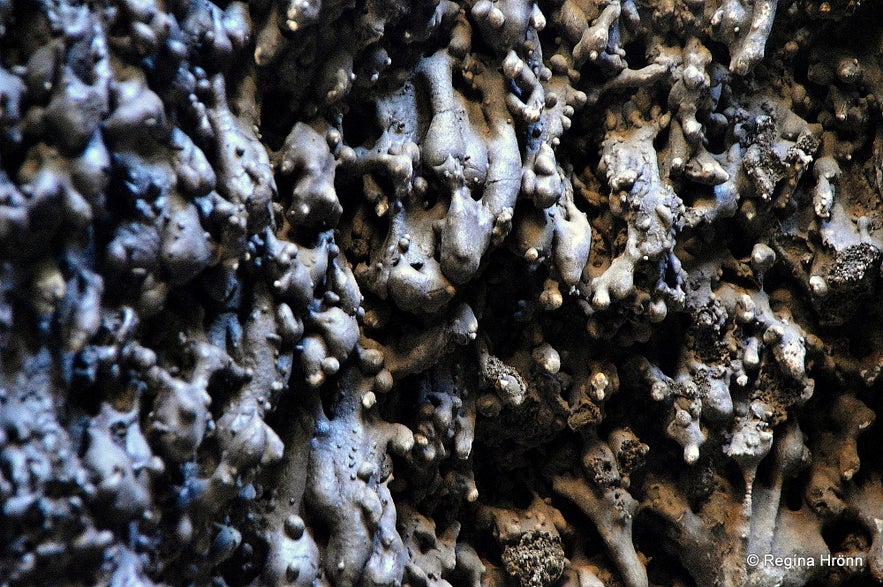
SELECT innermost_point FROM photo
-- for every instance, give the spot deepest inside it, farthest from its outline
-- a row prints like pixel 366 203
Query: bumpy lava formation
pixel 431 293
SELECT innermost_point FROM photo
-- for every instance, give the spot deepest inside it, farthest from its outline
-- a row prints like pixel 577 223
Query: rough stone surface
pixel 437 293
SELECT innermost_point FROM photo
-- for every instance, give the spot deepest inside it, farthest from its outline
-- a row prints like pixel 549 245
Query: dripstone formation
pixel 337 293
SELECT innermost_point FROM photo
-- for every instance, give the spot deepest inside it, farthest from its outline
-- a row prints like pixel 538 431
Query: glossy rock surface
pixel 344 293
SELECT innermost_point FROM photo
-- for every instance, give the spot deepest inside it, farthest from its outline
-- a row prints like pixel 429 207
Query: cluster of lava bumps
pixel 441 293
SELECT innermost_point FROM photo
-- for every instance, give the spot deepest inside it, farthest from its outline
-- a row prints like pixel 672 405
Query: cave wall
pixel 435 293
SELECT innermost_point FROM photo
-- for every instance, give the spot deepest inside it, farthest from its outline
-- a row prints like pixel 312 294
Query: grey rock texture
pixel 440 293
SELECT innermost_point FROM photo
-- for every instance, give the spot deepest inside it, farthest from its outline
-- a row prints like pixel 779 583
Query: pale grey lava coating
pixel 434 293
